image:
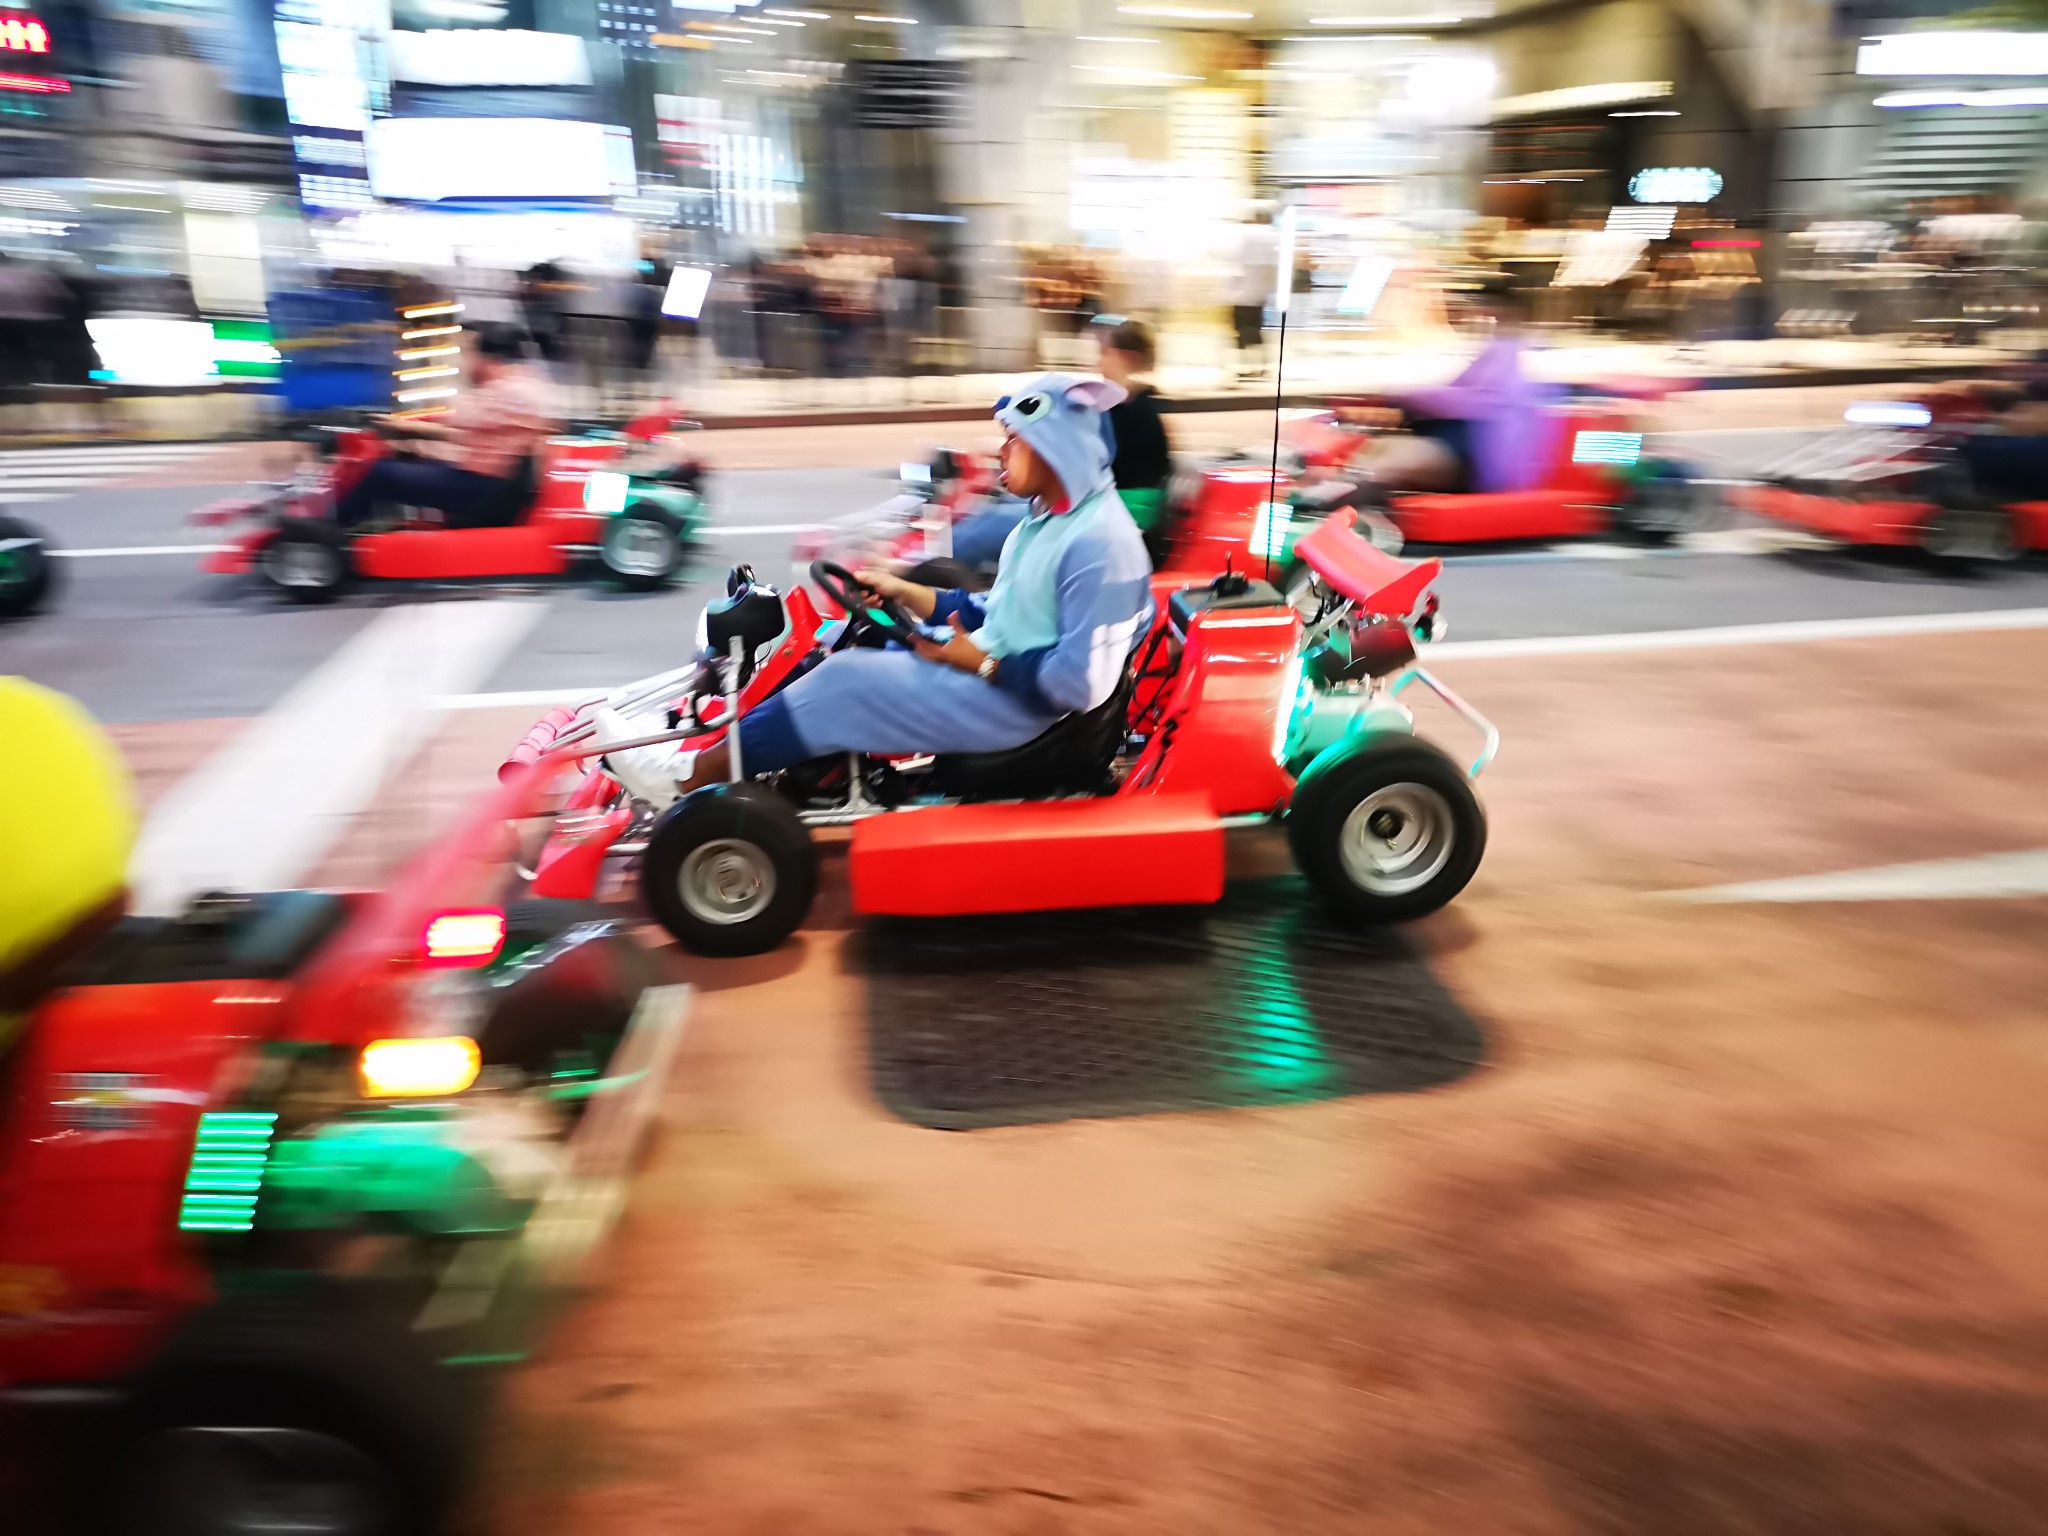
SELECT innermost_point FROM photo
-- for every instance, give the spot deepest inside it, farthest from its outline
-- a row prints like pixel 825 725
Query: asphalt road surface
pixel 138 633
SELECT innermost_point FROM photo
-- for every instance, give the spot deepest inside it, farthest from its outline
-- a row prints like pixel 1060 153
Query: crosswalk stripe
pixel 264 809
pixel 111 451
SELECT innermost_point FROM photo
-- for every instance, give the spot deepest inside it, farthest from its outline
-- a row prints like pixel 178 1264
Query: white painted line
pixel 111 451
pixel 264 809
pixel 8 499
pixel 1993 875
pixel 536 697
pixel 740 530
pixel 84 479
pixel 138 549
pixel 1794 632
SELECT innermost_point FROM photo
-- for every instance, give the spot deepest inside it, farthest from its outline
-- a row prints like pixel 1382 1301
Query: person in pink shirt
pixel 469 458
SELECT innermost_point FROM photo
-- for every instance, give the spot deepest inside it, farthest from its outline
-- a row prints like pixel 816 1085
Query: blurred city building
pixel 208 193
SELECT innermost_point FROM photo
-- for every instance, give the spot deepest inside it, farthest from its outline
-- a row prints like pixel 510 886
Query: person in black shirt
pixel 1144 456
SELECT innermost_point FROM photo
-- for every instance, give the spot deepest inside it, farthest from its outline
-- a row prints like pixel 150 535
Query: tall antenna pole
pixel 1283 290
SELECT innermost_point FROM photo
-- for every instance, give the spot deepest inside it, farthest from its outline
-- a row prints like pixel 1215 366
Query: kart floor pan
pixel 987 1021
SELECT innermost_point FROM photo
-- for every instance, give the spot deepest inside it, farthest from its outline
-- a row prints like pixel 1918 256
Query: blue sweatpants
pixel 890 702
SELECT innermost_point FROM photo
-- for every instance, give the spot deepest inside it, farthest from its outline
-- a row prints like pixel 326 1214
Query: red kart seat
pixel 1374 580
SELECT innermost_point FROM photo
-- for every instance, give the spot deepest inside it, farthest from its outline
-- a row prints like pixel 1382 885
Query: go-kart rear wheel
pixel 1386 830
pixel 307 560
pixel 642 547
pixel 26 573
pixel 729 870
pixel 296 1412
pixel 1970 534
pixel 1668 507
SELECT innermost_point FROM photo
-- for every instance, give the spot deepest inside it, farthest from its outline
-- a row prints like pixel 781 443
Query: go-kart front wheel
pixel 642 547
pixel 26 574
pixel 729 870
pixel 1386 830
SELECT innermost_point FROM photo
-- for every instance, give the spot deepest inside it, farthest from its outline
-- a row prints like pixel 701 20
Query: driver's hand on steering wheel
pixel 918 599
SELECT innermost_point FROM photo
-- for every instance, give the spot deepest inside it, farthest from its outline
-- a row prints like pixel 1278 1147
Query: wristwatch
pixel 987 670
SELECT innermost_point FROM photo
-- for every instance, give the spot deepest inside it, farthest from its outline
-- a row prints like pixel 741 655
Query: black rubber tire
pixel 1667 507
pixel 322 551
pixel 632 574
pixel 352 1402
pixel 1969 535
pixel 748 814
pixel 1340 780
pixel 945 575
pixel 27 574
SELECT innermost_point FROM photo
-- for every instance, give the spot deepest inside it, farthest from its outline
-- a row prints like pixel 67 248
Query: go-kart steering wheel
pixel 864 610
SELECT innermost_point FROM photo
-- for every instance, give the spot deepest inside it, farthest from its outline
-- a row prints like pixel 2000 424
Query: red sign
pixel 41 85
pixel 24 34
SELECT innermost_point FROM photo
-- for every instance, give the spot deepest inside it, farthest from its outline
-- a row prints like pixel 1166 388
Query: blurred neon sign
pixel 24 34
pixel 41 85
pixel 1675 184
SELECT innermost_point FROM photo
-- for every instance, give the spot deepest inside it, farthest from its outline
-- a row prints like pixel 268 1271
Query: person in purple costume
pixel 1489 429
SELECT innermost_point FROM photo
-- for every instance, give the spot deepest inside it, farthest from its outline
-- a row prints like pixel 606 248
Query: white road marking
pixel 263 810
pixel 137 549
pixel 8 498
pixel 535 697
pixel 1791 633
pixel 1994 875
pixel 1794 632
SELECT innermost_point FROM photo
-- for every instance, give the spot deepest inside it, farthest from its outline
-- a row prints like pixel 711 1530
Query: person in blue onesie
pixel 1072 597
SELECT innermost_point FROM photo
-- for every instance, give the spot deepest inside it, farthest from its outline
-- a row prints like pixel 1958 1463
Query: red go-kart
pixel 281 1178
pixel 627 504
pixel 1598 481
pixel 1894 481
pixel 1234 710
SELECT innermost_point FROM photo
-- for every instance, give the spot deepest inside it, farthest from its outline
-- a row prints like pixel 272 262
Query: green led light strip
pixel 228 1157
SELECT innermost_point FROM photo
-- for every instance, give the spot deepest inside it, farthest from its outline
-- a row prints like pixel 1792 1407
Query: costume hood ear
pixel 1097 394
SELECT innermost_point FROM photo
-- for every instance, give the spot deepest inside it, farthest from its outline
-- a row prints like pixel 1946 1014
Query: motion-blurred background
pixel 214 211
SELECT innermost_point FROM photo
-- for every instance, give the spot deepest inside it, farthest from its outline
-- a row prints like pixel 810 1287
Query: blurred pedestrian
pixel 1251 285
pixel 1144 454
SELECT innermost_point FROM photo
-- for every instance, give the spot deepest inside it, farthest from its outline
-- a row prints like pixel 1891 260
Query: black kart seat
pixel 1070 757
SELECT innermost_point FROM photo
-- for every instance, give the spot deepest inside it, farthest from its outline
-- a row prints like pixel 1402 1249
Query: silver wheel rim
pixel 640 547
pixel 1971 533
pixel 1397 839
pixel 726 881
pixel 297 563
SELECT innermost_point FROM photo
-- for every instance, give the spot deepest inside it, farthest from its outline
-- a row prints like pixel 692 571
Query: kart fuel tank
pixel 1038 856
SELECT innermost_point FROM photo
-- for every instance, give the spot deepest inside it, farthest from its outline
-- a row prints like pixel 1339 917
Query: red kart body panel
pixel 1853 522
pixel 1136 850
pixel 1228 703
pixel 530 548
pixel 1886 524
pixel 98 1121
pixel 100 1100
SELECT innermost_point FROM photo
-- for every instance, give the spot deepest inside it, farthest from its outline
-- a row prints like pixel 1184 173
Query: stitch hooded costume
pixel 1071 597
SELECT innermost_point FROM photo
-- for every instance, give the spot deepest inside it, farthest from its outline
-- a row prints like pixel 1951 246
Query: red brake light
pixel 464 938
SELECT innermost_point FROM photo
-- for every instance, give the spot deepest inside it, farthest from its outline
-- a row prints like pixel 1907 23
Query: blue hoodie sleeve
pixel 969 605
pixel 1104 601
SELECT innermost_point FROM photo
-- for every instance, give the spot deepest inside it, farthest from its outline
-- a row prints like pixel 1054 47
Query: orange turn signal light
pixel 428 1067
